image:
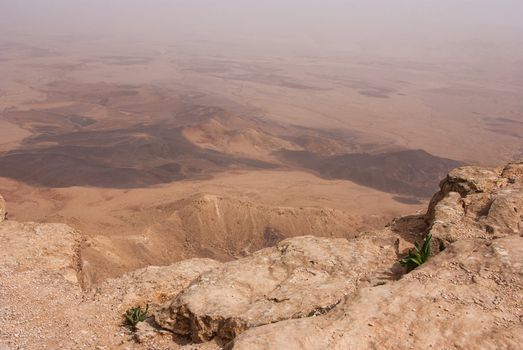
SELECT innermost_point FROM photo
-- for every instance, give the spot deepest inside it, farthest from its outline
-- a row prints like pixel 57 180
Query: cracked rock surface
pixel 467 297
pixel 300 277
pixel 478 203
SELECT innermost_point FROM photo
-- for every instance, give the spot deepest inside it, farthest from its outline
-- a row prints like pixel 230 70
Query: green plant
pixel 135 315
pixel 419 255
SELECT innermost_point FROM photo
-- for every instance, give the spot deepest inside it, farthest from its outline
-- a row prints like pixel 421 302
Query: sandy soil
pixel 105 142
pixel 12 135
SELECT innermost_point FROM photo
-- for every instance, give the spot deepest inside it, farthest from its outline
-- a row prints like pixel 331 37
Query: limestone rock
pixel 467 296
pixel 477 202
pixel 50 247
pixel 513 171
pixel 505 215
pixel 447 215
pixel 466 180
pixel 300 277
pixel 43 306
pixel 278 298
pixel 153 284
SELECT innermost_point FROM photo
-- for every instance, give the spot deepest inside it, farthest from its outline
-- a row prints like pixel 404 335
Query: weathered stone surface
pixel 300 277
pixel 3 209
pixel 304 293
pixel 38 283
pixel 513 172
pixel 51 247
pixel 144 332
pixel 466 180
pixel 448 213
pixel 505 215
pixel 42 304
pixel 153 284
pixel 476 202
pixel 469 296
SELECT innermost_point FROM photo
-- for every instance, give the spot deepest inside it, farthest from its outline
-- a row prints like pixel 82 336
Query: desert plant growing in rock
pixel 419 255
pixel 135 315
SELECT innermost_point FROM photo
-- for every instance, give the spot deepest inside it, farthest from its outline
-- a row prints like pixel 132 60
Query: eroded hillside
pixel 299 293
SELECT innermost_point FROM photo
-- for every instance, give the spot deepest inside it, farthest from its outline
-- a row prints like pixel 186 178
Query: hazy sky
pixel 382 26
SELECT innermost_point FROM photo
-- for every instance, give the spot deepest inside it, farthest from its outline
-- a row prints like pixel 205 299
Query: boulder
pixel 152 284
pixel 448 213
pixel 466 181
pixel 477 202
pixel 299 278
pixel 505 214
pixel 469 296
pixel 513 171
pixel 470 179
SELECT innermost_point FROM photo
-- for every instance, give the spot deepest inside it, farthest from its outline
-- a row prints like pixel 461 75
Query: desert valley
pixel 156 152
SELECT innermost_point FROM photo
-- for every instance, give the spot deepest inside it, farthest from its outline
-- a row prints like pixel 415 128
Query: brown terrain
pixel 219 185
pixel 135 150
pixel 304 292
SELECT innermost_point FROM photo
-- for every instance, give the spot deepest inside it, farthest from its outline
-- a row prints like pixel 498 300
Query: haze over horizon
pixel 450 29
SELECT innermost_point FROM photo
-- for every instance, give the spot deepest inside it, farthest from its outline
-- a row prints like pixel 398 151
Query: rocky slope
pixel 470 296
pixel 43 305
pixel 302 293
pixel 222 228
pixel 470 293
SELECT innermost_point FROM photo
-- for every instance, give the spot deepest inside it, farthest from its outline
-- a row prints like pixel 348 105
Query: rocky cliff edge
pixel 303 293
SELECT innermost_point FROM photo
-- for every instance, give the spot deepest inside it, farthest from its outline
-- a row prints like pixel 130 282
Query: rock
pixel 153 284
pixel 476 202
pixel 3 209
pixel 304 293
pixel 144 331
pixel 467 180
pixel 42 302
pixel 448 213
pixel 300 277
pixel 278 298
pixel 505 215
pixel 437 306
pixel 513 171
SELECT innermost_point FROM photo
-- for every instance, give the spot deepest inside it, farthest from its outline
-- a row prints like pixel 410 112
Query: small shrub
pixel 135 315
pixel 419 255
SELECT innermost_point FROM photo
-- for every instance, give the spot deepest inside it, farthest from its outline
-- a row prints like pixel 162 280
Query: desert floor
pixel 117 141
